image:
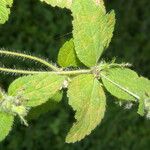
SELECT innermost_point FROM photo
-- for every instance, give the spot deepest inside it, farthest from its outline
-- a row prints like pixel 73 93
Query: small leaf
pixel 6 123
pixel 92 30
pixel 67 56
pixel 87 98
pixel 125 84
pixel 124 78
pixel 5 10
pixel 46 107
pixel 37 89
pixel 59 3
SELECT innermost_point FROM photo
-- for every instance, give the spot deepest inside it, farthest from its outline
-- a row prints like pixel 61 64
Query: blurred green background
pixel 39 29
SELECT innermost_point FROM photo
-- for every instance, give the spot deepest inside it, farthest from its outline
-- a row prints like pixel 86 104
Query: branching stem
pixel 55 69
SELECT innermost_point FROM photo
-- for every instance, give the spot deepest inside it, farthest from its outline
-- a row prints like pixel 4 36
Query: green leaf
pixel 51 104
pixel 59 3
pixel 6 123
pixel 87 98
pixel 67 56
pixel 92 30
pixel 117 78
pixel 37 89
pixel 111 21
pixel 5 10
pixel 125 84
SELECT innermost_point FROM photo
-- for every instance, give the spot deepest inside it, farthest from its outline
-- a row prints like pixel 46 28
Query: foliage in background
pixel 113 145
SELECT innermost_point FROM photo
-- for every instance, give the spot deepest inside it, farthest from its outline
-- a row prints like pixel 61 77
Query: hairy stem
pixel 74 72
pixel 104 66
pixel 9 53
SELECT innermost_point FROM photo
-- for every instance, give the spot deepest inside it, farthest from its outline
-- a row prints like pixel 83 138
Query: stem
pixel 30 57
pixel 120 65
pixel 107 66
pixel 74 72
pixel 122 88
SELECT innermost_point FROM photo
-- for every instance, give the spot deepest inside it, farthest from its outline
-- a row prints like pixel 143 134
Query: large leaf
pixel 37 89
pixel 59 3
pixel 5 10
pixel 6 123
pixel 87 98
pixel 92 29
pixel 67 56
pixel 127 85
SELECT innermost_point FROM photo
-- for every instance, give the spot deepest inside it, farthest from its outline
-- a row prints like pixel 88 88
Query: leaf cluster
pixel 86 88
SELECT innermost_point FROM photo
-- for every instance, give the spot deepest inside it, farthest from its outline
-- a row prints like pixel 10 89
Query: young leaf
pixel 44 108
pixel 125 84
pixel 37 89
pixel 5 10
pixel 59 3
pixel 67 55
pixel 6 123
pixel 124 78
pixel 87 98
pixel 92 30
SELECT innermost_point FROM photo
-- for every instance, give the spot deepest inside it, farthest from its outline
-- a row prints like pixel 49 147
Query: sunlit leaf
pixel 92 29
pixel 67 56
pixel 87 98
pixel 37 89
pixel 125 84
